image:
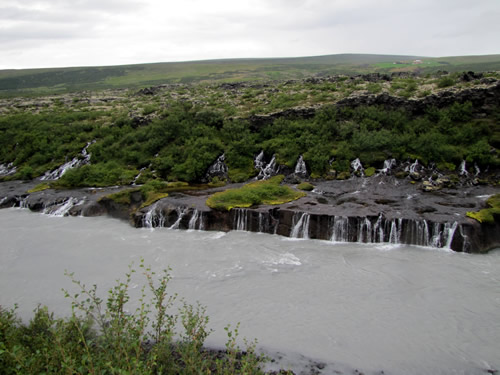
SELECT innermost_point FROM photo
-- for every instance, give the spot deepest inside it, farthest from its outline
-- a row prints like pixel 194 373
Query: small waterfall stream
pixel 78 161
pixel 300 228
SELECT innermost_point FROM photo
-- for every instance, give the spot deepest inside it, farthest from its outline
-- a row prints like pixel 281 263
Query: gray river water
pixel 397 309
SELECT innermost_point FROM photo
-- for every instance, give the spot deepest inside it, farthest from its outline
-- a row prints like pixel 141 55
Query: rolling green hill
pixel 59 80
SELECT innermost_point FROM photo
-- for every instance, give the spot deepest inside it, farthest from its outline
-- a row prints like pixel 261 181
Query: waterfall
pixel 196 221
pixel 414 166
pixel 78 161
pixel 466 244
pixel 340 229
pixel 7 170
pixel 378 230
pixel 463 169
pixel 301 227
pixel 62 209
pixel 240 221
pixel 259 161
pixel 388 165
pixel 265 170
pixel 23 202
pixel 396 230
pixel 138 175
pixel 218 169
pixel 477 170
pixel 448 233
pixel 153 218
pixel 357 167
pixel 365 231
pixel 181 211
pixel 300 167
pixel 261 222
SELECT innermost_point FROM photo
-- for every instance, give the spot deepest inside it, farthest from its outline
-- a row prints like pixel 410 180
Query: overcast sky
pixel 55 33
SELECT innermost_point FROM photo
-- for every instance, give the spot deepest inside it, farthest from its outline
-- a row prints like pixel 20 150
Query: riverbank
pixel 381 208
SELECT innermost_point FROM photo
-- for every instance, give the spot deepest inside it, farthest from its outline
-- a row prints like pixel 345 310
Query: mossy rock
pixel 487 215
pixel 343 176
pixel 259 192
pixel 369 171
pixel 401 174
pixel 40 187
pixel 306 186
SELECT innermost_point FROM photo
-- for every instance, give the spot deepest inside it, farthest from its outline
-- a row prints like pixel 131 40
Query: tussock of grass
pixel 255 193
pixel 487 215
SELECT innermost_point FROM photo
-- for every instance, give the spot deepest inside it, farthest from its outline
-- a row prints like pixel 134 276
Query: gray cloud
pixel 98 32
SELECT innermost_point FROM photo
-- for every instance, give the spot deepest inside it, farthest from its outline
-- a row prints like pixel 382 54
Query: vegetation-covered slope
pixel 177 132
pixel 57 80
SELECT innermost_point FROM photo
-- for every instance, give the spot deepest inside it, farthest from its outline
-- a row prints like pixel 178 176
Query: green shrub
pixel 105 337
pixel 445 81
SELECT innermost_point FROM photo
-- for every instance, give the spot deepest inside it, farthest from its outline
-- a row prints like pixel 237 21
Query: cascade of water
pixel 64 208
pixel 7 170
pixel 181 211
pixel 269 170
pixel 365 231
pixel 396 230
pixel 240 220
pixel 388 165
pixel 301 227
pixel 414 166
pixel 466 244
pixel 436 239
pixel 218 169
pixel 340 230
pixel 138 175
pixel 357 167
pixel 378 230
pixel 259 161
pixel 194 220
pixel 463 169
pixel 23 202
pixel 477 170
pixel 261 222
pixel 154 217
pixel 300 167
pixel 78 161
pixel 448 233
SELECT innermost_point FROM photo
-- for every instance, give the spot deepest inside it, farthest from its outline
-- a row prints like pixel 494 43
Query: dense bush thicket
pixel 182 142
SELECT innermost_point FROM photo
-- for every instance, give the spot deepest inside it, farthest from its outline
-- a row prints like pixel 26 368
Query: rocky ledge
pixel 381 208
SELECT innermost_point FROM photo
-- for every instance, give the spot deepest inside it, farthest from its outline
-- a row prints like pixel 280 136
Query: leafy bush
pixel 104 337
pixel 445 81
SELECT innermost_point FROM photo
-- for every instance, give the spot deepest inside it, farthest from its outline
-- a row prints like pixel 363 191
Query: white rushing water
pixel 400 309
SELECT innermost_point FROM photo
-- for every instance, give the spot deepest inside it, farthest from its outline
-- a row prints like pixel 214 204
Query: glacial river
pixel 397 309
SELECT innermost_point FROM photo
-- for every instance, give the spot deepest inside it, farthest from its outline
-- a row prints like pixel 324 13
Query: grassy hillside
pixel 59 80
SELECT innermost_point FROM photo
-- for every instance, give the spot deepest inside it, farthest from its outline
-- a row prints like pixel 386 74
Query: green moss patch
pixel 369 171
pixel 40 187
pixel 306 186
pixel 259 192
pixel 487 215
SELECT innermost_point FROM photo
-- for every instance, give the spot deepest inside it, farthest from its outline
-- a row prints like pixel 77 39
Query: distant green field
pixel 60 80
